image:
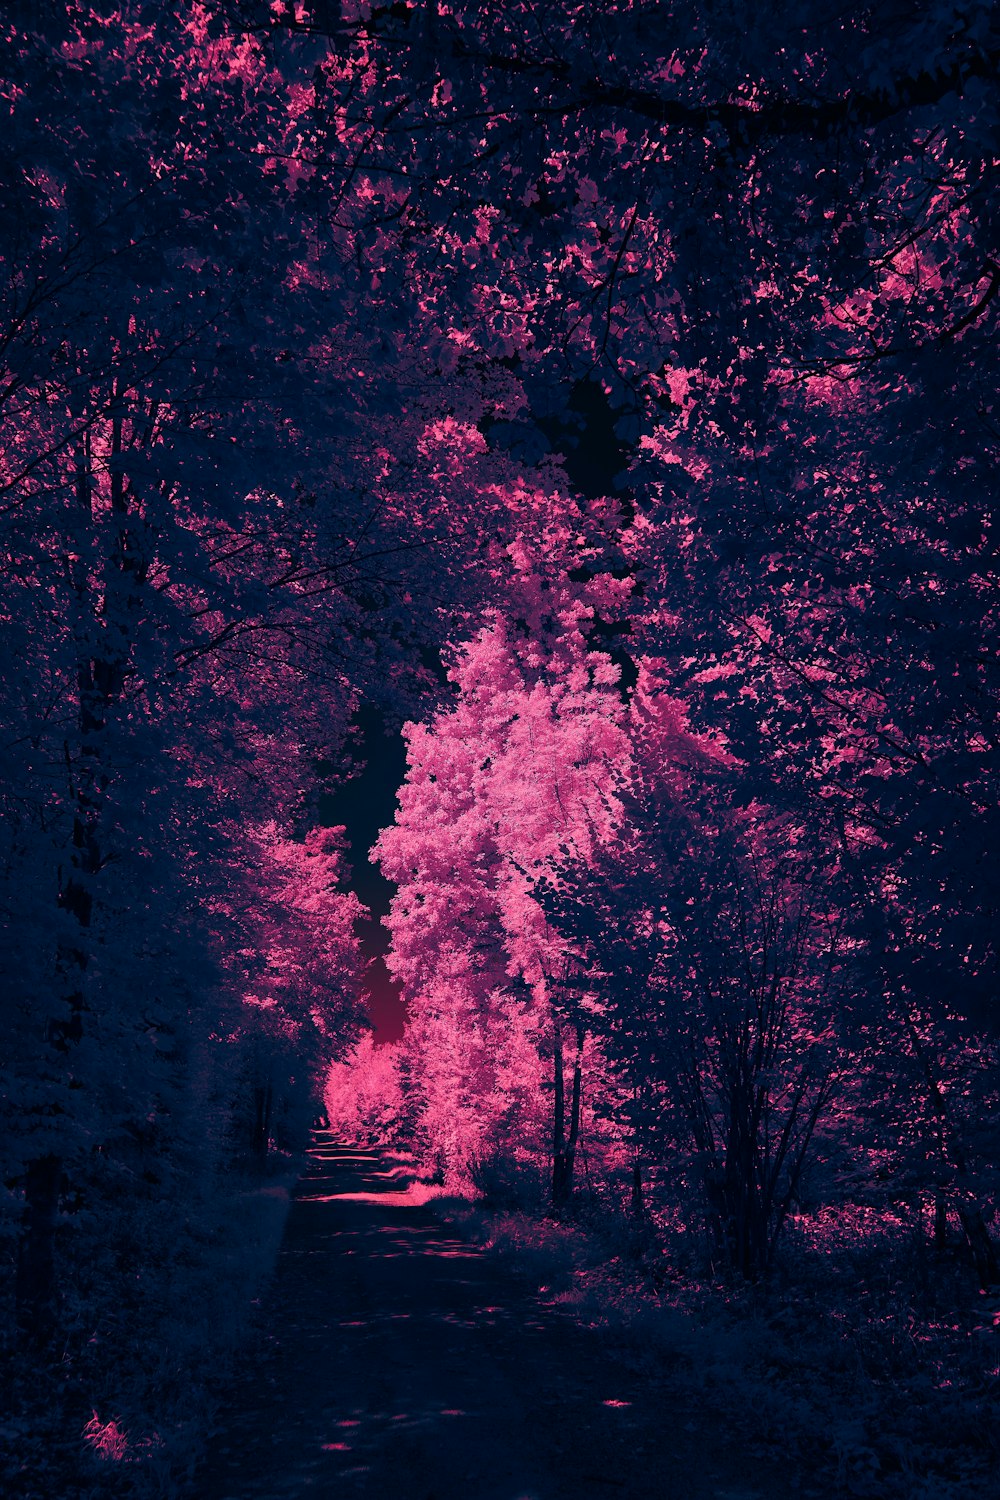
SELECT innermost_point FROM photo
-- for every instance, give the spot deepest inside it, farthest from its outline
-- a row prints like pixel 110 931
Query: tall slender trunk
pixel 35 1287
pixel 940 1221
pixel 263 1107
pixel 564 1142
pixel 558 1111
pixel 980 1242
pixel 102 661
pixel 637 1201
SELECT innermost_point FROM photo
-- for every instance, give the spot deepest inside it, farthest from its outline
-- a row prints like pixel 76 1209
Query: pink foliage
pixel 523 773
pixel 363 1094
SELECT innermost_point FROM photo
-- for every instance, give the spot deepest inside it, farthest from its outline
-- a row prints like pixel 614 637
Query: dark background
pixel 363 806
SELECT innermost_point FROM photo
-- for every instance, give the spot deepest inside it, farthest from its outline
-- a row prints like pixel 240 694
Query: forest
pixel 599 400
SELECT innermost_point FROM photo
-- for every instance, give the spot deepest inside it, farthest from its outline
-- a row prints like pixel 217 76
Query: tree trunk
pixel 564 1144
pixel 263 1106
pixel 637 1204
pixel 100 679
pixel 558 1116
pixel 940 1221
pixel 35 1287
pixel 984 1251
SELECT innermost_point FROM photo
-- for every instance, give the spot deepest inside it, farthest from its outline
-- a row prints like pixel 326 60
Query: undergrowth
pixel 161 1305
pixel 876 1370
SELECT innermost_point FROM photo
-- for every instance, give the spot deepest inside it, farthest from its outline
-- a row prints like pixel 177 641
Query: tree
pixel 174 580
pixel 714 936
pixel 221 454
pixel 363 1094
pixel 291 952
pixel 522 770
pixel 771 241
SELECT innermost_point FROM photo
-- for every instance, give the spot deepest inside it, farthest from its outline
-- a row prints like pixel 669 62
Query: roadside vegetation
pixel 868 1362
pixel 162 1310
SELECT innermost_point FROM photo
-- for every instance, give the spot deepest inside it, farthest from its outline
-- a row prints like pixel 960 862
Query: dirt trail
pixel 399 1363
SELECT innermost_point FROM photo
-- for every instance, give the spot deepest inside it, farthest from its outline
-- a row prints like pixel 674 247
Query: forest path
pixel 398 1362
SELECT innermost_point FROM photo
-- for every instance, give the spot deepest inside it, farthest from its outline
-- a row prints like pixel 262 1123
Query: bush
pixel 503 1181
pixel 159 1299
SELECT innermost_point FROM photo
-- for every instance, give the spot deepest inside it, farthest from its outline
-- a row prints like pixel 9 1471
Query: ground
pixel 395 1361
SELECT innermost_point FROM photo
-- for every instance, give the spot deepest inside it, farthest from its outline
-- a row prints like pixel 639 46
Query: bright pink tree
pixel 290 949
pixel 524 771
